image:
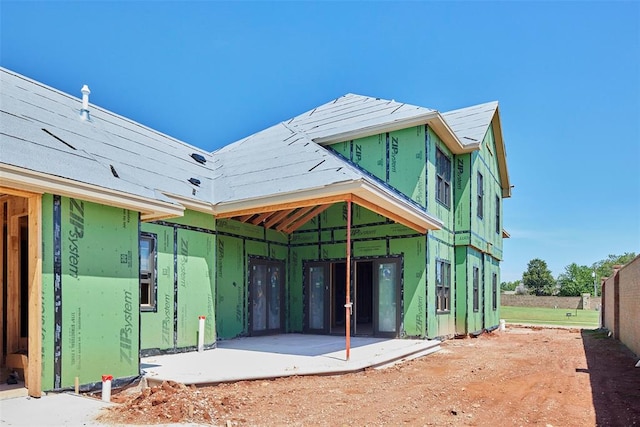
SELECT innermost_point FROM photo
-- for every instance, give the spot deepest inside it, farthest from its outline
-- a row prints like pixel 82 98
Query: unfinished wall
pixel 629 277
pixel 90 292
pixel 185 284
pixel 621 295
pixel 478 235
pixel 236 243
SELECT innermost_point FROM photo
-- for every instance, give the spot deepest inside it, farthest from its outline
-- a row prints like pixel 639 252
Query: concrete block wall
pixel 547 301
pixel 622 304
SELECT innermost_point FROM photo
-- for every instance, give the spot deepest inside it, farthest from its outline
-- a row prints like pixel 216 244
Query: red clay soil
pixel 524 376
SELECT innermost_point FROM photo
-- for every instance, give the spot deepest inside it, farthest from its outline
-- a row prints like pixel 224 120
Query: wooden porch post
pixel 34 380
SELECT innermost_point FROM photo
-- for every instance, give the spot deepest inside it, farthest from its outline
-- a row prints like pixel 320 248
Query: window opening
pixel 443 178
pixel 443 286
pixel 480 196
pixel 148 275
pixel 476 291
pixel 494 291
pixel 497 215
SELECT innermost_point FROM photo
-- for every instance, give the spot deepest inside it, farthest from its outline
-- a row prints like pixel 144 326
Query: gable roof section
pixel 471 125
pixel 355 116
pixel 280 168
pixel 48 147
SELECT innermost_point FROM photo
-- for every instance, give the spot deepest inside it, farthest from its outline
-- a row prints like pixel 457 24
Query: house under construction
pixel 117 238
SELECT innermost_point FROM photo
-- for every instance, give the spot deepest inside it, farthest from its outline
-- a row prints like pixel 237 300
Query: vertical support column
pixel 348 303
pixel 34 384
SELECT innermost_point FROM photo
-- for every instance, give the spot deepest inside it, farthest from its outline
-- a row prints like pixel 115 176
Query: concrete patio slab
pixel 281 355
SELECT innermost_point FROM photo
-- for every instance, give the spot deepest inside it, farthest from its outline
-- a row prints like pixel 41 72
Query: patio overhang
pixel 288 212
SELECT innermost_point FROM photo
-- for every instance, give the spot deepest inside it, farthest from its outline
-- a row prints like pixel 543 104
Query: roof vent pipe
pixel 84 112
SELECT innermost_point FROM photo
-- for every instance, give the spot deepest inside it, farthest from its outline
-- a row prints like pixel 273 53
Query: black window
pixel 494 290
pixel 443 286
pixel 476 289
pixel 443 178
pixel 148 281
pixel 497 214
pixel 480 196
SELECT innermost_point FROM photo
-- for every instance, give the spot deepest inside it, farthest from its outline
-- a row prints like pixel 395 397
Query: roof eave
pixel 37 182
pixel 502 154
pixel 375 129
pixel 449 137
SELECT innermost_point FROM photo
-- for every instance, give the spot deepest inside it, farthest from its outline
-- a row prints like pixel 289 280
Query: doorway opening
pixel 375 293
pixel 20 295
pixel 266 293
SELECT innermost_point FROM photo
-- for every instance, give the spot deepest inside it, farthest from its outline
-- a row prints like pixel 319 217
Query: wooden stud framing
pixel 19 206
pixel 35 296
pixel 16 208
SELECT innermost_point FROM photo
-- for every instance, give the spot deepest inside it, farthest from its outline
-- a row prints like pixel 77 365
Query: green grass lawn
pixel 550 316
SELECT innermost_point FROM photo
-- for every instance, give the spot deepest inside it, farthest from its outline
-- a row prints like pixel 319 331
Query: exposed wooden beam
pixel 15 192
pixel 284 206
pixel 244 218
pixel 277 218
pixel 34 384
pixel 306 218
pixel 293 217
pixel 260 218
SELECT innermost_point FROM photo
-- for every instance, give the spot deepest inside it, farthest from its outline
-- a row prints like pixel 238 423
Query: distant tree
pixel 604 267
pixel 538 278
pixel 509 286
pixel 575 280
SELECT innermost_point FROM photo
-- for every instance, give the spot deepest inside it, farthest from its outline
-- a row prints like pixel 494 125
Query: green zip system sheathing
pixel 90 292
pixel 236 243
pixel 471 229
pixel 185 284
pixel 157 326
pixel 373 237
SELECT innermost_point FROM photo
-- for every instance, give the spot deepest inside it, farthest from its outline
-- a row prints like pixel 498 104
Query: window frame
pixel 494 291
pixel 443 286
pixel 152 280
pixel 497 214
pixel 480 206
pixel 476 289
pixel 443 178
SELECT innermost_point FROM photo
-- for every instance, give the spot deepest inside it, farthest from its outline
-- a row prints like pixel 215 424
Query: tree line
pixel 575 280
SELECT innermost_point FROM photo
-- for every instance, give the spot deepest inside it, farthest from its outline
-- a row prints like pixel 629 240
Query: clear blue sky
pixel 566 74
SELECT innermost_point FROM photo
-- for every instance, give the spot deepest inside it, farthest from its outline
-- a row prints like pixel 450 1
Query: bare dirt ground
pixel 524 376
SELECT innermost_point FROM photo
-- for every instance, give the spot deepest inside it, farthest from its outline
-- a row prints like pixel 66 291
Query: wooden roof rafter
pixel 277 217
pixel 295 216
pixel 306 218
